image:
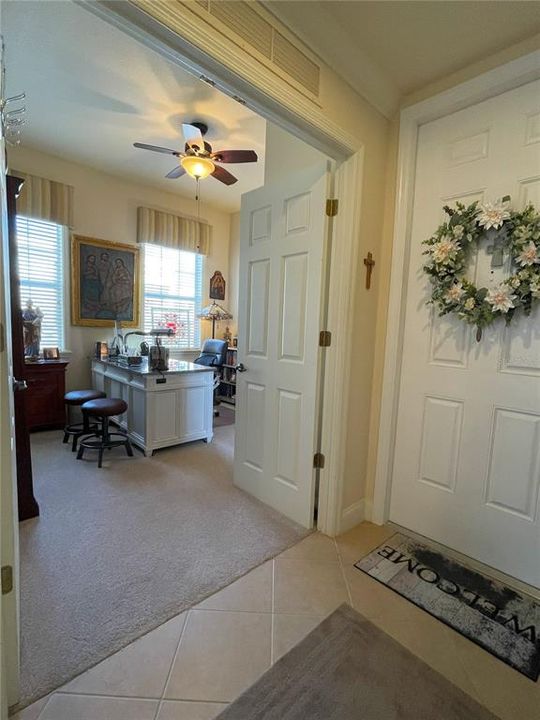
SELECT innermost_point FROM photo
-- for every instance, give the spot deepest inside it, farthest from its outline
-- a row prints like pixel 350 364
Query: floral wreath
pixel 516 233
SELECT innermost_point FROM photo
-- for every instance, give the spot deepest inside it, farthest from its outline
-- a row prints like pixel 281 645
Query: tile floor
pixel 196 663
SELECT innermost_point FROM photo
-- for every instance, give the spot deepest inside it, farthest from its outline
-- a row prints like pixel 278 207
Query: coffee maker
pixel 158 356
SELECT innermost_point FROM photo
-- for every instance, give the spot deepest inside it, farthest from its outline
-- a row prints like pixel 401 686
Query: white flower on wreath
pixel 528 255
pixel 454 293
pixel 535 288
pixel 444 250
pixel 501 298
pixel 492 215
pixel 515 282
pixel 469 303
pixel 457 231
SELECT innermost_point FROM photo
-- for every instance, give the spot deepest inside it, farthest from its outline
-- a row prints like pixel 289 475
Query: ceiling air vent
pixel 245 22
pixel 287 57
pixel 252 29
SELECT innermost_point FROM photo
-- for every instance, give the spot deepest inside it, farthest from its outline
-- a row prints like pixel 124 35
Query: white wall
pixel 286 153
pixel 234 270
pixel 106 208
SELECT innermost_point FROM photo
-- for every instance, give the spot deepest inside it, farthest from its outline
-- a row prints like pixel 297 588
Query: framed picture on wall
pixel 217 286
pixel 104 282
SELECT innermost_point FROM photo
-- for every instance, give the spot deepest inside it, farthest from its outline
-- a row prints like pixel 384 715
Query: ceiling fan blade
pixel 235 156
pixel 191 132
pixel 176 172
pixel 156 148
pixel 224 176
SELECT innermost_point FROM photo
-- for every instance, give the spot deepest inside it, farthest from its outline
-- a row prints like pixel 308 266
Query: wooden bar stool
pixel 104 439
pixel 76 398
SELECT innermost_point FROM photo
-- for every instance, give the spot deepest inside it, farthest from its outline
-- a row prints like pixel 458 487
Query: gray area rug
pixel 348 669
pixel 491 614
pixel 117 552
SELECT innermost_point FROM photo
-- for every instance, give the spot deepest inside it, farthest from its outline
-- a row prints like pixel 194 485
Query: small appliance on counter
pixel 158 358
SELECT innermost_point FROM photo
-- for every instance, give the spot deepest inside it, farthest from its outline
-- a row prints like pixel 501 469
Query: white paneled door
pixel 283 231
pixel 467 457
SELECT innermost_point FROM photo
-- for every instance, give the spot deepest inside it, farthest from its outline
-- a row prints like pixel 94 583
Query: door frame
pixel 495 82
pixel 205 53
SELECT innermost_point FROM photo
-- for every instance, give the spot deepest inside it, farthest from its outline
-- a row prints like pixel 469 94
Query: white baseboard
pixel 354 514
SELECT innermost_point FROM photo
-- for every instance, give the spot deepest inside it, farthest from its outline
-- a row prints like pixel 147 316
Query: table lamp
pixel 215 313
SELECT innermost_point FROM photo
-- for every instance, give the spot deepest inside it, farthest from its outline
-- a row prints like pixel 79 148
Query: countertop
pixel 175 367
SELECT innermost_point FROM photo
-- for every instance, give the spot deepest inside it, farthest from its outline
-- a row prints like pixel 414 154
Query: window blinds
pixel 40 248
pixel 173 293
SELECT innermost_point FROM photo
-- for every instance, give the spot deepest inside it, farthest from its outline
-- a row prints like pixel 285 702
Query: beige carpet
pixel 348 669
pixel 117 552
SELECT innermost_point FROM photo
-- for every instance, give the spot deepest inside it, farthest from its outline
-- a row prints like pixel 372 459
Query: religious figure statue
pixel 32 318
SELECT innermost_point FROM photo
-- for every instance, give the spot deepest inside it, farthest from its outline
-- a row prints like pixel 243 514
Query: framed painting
pixel 105 282
pixel 217 286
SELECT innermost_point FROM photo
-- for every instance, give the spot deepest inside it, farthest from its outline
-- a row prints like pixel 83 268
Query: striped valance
pixel 45 199
pixel 175 231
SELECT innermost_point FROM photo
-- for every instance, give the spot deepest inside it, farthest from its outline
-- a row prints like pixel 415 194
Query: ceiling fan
pixel 198 158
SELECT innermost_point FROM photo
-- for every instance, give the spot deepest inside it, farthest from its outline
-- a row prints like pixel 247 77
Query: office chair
pixel 214 354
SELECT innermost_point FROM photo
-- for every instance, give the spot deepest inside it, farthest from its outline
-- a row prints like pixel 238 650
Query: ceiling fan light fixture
pixel 197 167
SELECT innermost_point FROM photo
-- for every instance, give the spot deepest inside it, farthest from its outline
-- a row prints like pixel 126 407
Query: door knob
pixel 240 367
pixel 20 385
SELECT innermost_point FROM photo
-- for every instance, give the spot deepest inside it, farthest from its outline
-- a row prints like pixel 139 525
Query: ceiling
pixel 91 91
pixel 387 50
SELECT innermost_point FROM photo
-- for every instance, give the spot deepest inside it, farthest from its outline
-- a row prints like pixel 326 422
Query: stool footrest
pixel 104 440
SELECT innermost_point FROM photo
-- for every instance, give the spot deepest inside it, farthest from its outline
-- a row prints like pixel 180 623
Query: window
pixel 173 294
pixel 40 246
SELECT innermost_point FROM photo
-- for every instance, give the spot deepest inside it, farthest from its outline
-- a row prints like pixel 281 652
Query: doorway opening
pixel 118 550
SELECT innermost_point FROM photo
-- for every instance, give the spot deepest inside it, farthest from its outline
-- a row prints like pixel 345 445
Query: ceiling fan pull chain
pixel 198 198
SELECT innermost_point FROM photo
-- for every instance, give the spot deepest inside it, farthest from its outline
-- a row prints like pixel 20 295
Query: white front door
pixel 283 232
pixel 467 456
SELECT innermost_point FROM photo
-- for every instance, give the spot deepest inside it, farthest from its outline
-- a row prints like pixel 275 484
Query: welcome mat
pixel 494 616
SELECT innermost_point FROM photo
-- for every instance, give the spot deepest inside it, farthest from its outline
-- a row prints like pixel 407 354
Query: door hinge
pixel 325 338
pixel 332 207
pixel 7 579
pixel 318 461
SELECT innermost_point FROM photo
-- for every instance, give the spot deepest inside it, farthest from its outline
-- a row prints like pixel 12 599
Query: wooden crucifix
pixel 369 262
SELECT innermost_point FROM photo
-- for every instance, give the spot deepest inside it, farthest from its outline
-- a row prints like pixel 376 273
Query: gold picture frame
pixel 105 282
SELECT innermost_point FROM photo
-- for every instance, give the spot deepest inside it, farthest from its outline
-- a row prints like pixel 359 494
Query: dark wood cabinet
pixel 44 397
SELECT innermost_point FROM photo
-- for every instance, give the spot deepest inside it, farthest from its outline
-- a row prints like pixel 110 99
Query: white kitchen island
pixel 164 409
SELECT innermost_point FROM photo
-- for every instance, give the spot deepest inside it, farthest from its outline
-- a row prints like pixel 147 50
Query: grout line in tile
pixel 43 708
pixel 196 700
pixel 101 695
pixel 223 610
pixel 340 559
pixel 175 655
